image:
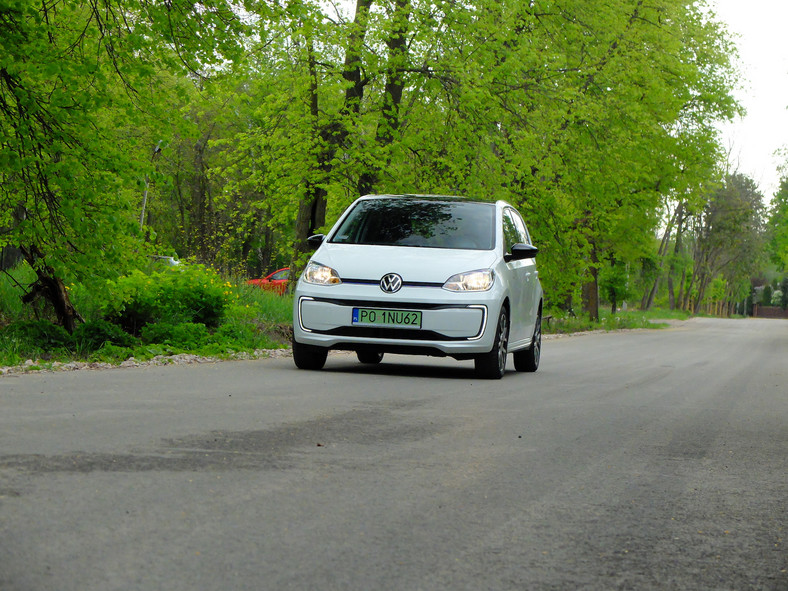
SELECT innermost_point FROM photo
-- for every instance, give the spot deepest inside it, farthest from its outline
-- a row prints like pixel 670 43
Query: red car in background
pixel 276 281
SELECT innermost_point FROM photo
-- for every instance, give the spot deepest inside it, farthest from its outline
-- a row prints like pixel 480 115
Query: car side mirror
pixel 316 240
pixel 521 252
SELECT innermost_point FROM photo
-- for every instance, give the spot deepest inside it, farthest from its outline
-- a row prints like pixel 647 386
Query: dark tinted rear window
pixel 420 223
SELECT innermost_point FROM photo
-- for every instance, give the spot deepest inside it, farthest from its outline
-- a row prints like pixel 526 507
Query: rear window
pixel 419 223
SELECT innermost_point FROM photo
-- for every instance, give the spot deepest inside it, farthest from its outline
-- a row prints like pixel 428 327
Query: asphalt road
pixel 631 460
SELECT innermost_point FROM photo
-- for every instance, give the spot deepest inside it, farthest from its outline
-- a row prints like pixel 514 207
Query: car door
pixel 523 280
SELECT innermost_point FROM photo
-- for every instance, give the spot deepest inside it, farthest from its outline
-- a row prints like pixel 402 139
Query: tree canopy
pixel 230 133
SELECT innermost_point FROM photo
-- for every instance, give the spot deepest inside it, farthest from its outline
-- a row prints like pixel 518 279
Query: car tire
pixel 492 365
pixel 369 357
pixel 309 356
pixel 528 359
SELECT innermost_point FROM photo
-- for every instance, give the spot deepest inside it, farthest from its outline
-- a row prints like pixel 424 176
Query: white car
pixel 426 275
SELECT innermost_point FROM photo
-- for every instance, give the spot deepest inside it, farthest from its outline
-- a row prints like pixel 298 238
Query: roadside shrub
pixel 109 353
pixel 784 290
pixel 132 302
pixel 195 294
pixel 11 291
pixel 187 293
pixel 184 335
pixel 37 335
pixel 258 319
pixel 91 336
pixel 766 295
pixel 266 305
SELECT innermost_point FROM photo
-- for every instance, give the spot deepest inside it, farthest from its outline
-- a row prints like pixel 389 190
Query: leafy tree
pixel 728 238
pixel 784 289
pixel 593 118
pixel 77 79
pixel 778 226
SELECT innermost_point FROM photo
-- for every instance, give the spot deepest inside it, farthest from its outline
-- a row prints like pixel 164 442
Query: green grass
pixel 11 306
pixel 271 307
pixel 622 320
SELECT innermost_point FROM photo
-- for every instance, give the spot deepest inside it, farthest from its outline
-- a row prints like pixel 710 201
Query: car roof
pixel 426 197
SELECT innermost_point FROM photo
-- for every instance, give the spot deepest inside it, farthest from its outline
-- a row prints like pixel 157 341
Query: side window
pixel 511 236
pixel 522 231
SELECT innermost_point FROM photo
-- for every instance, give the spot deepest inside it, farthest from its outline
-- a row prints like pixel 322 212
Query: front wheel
pixel 309 356
pixel 492 365
pixel 528 360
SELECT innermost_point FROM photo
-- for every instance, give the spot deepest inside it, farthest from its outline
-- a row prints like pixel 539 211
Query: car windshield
pixel 420 223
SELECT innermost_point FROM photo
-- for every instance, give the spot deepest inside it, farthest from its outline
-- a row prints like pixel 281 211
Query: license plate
pixel 378 317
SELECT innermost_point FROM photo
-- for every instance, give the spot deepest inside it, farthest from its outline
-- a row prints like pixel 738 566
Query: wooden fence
pixel 759 311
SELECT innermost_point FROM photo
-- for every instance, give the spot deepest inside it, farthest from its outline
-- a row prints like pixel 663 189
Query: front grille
pixel 404 283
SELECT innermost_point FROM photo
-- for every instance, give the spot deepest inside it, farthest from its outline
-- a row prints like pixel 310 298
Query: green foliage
pixel 119 135
pixel 109 353
pixel 38 333
pixel 778 226
pixel 251 319
pixel 614 282
pixel 94 334
pixel 621 320
pixel 32 339
pixel 12 284
pixel 184 335
pixel 784 290
pixel 187 293
pixel 85 89
pixel 766 295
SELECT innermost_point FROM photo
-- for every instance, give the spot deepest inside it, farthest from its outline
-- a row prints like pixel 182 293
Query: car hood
pixel 429 265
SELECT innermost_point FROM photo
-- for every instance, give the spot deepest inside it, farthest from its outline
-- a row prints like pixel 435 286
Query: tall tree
pixel 729 235
pixel 74 76
pixel 778 226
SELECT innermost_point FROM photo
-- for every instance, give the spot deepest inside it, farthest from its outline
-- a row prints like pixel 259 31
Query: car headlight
pixel 481 280
pixel 320 274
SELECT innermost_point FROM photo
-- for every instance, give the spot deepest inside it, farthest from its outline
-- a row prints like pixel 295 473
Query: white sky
pixel 763 52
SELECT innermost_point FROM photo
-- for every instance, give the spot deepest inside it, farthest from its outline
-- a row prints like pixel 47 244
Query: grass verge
pixel 627 319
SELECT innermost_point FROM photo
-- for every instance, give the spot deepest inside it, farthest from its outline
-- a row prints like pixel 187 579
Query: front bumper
pixel 453 324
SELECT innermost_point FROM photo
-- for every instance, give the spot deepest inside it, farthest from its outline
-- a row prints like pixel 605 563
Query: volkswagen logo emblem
pixel 391 283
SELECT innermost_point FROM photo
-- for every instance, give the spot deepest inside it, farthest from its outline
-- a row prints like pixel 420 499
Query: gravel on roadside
pixel 38 365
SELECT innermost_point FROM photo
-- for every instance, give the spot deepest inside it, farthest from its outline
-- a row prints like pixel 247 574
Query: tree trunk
pixel 389 122
pixel 202 206
pixel 681 298
pixel 590 289
pixel 9 257
pixel 51 288
pixel 331 134
pixel 676 252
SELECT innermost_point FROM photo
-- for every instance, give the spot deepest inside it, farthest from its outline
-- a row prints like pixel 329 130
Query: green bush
pixel 257 319
pixel 109 353
pixel 37 335
pixel 91 336
pixel 31 339
pixel 766 296
pixel 11 291
pixel 174 310
pixel 184 335
pixel 266 306
pixel 187 293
